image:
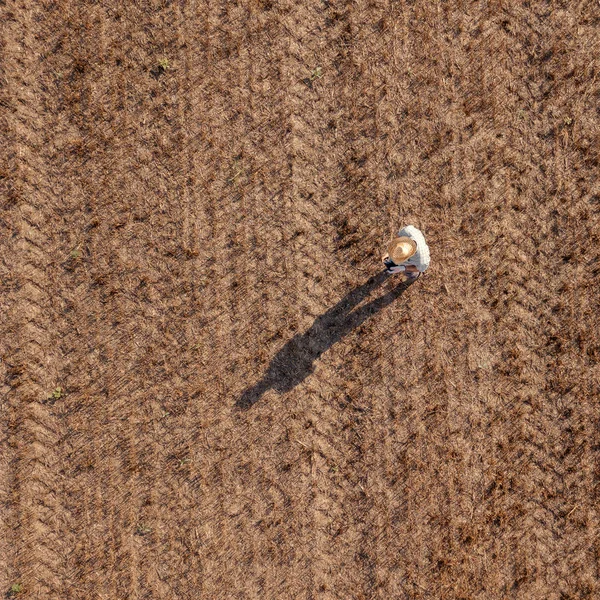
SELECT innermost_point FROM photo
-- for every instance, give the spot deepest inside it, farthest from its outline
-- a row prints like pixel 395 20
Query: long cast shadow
pixel 294 362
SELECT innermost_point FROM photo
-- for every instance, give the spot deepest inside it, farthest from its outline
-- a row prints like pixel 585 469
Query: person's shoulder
pixel 412 231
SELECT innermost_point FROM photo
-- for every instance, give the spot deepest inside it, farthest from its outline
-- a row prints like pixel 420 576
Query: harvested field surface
pixel 209 390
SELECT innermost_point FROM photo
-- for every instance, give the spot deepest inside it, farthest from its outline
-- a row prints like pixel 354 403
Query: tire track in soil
pixel 62 68
pixel 222 520
pixel 373 402
pixel 312 200
pixel 386 458
pixel 302 222
pixel 575 453
pixel 455 467
pixel 465 459
pixel 102 460
pixel 211 269
pixel 346 400
pixel 37 522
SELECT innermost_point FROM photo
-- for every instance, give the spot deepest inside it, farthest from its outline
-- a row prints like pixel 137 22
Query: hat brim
pixel 397 254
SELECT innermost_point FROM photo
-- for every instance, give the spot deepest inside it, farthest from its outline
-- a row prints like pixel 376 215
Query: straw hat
pixel 401 249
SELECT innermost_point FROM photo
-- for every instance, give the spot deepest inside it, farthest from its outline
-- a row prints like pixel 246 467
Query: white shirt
pixel 420 258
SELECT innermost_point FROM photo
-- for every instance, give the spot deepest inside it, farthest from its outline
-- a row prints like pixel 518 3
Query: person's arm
pixel 412 269
pixel 397 269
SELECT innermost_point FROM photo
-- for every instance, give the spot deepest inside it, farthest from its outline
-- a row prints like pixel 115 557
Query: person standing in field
pixel 407 253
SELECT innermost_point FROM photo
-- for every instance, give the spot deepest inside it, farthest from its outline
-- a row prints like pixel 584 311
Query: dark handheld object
pixel 389 263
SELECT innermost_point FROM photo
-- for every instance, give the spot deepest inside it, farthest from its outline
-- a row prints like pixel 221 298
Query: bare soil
pixel 207 388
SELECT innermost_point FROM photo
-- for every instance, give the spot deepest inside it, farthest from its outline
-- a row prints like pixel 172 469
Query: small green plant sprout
pixel 161 67
pixel 184 461
pixel 57 393
pixel 15 588
pixel 316 73
pixel 76 252
pixel 142 529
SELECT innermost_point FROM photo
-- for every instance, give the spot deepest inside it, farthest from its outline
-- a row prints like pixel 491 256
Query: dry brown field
pixel 208 389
